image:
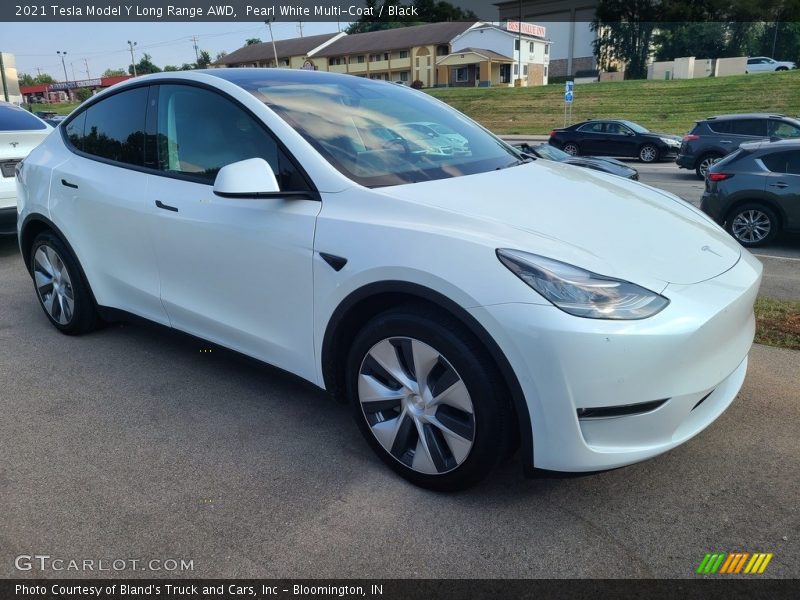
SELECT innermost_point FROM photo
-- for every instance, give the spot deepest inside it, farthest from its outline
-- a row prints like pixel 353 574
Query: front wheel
pixel 62 292
pixel 428 399
pixel 648 153
pixel 752 225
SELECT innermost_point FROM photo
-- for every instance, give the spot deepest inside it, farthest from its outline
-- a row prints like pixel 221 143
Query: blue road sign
pixel 568 86
pixel 568 97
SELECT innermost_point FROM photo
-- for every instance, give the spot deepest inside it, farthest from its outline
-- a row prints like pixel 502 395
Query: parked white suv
pixel 763 64
pixel 20 132
pixel 463 305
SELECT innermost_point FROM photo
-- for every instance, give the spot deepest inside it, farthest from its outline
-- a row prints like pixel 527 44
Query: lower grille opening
pixel 625 410
pixel 703 399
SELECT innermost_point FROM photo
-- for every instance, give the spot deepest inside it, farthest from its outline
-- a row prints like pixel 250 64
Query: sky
pixel 105 45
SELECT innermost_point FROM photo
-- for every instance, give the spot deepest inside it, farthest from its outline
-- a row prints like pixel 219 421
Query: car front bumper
pixel 693 355
pixel 711 205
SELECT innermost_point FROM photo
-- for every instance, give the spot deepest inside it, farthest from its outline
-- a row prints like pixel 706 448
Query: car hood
pixel 669 136
pixel 603 159
pixel 603 223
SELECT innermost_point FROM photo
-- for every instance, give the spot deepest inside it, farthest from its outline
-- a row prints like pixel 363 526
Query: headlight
pixel 670 142
pixel 580 292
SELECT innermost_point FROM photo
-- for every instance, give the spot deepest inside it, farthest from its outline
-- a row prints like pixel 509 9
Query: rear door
pixel 99 196
pixel 592 138
pixel 783 184
pixel 744 130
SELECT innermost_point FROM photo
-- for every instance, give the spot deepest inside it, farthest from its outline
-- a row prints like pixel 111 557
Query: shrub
pixel 416 84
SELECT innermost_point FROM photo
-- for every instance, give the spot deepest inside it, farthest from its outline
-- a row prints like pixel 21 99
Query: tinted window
pixel 720 126
pixel 755 127
pixel 200 131
pixel 617 129
pixel 75 130
pixel 13 118
pixel 783 162
pixel 592 128
pixel 783 129
pixel 114 127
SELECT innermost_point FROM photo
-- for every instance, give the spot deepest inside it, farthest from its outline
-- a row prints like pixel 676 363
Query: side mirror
pixel 250 178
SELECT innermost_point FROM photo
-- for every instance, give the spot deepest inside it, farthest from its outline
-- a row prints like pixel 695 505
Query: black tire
pixel 753 212
pixel 571 148
pixel 492 422
pixel 649 153
pixel 782 69
pixel 704 163
pixel 82 318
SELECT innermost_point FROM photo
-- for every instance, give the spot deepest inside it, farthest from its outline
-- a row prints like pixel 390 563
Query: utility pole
pixel 519 56
pixel 86 64
pixel 774 40
pixel 133 60
pixel 196 55
pixel 39 71
pixel 274 48
pixel 300 28
pixel 63 55
pixel 72 65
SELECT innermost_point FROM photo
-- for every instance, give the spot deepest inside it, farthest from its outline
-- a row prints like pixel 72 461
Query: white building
pixel 568 24
pixel 487 54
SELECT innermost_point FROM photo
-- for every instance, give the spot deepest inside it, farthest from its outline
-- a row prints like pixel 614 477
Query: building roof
pixel 299 46
pixel 482 52
pixel 395 39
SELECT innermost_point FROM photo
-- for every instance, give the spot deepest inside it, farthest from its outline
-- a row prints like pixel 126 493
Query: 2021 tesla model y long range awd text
pixel 463 304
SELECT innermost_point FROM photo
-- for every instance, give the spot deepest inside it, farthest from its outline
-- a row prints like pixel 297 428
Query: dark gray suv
pixel 754 192
pixel 713 138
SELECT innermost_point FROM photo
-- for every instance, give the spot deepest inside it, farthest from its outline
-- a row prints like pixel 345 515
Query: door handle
pixel 780 184
pixel 66 183
pixel 160 204
pixel 725 142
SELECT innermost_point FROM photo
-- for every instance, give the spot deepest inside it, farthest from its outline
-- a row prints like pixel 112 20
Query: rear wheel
pixel 63 294
pixel 571 148
pixel 752 224
pixel 704 164
pixel 428 399
pixel 648 153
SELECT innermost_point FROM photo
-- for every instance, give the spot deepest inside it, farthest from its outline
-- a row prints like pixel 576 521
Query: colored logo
pixel 734 563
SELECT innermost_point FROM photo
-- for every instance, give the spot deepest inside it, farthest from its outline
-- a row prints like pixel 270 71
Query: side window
pixel 778 162
pixel 782 129
pixel 720 126
pixel 114 127
pixel 75 129
pixel 200 131
pixel 592 128
pixel 754 127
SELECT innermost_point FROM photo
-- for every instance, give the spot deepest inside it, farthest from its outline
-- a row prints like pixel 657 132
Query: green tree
pixel 220 55
pixel 144 66
pixel 83 94
pixel 203 60
pixel 428 11
pixel 114 72
pixel 170 68
pixel 251 41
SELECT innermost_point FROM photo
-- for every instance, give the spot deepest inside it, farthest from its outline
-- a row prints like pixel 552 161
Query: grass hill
pixel 668 106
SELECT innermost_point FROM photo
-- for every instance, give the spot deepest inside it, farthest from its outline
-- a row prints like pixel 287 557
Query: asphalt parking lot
pixel 134 443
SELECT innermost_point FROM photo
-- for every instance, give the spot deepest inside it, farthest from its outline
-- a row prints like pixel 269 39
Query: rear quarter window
pixel 719 126
pixel 18 119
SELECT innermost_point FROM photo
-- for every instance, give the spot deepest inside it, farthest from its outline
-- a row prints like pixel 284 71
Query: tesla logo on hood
pixel 15 144
pixel 708 249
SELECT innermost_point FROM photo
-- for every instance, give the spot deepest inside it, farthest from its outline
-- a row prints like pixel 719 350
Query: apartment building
pixel 404 54
pixel 295 53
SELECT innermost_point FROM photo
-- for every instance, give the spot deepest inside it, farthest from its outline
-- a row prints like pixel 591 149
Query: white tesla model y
pixel 463 303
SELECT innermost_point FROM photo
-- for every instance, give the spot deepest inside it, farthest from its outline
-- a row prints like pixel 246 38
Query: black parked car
pixel 713 138
pixel 614 138
pixel 754 192
pixel 606 165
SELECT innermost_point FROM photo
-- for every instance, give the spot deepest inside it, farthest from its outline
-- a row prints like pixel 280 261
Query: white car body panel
pixel 247 274
pixel 16 145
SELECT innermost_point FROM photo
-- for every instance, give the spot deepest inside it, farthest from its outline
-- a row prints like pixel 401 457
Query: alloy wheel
pixel 648 154
pixel 571 149
pixel 751 226
pixel 416 405
pixel 706 164
pixel 53 284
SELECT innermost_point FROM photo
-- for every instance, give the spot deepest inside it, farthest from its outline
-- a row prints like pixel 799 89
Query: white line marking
pixel 778 257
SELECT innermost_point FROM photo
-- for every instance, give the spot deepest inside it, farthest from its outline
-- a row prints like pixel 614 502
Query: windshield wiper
pixel 516 163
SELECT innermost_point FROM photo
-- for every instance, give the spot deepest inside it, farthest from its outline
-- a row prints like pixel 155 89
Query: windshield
pixel 362 128
pixel 551 152
pixel 636 127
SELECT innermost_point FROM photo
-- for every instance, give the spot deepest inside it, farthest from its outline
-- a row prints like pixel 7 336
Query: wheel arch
pixel 366 302
pixel 32 226
pixel 765 201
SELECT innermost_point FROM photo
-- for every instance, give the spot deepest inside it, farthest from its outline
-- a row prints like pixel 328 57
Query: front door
pixel 235 271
